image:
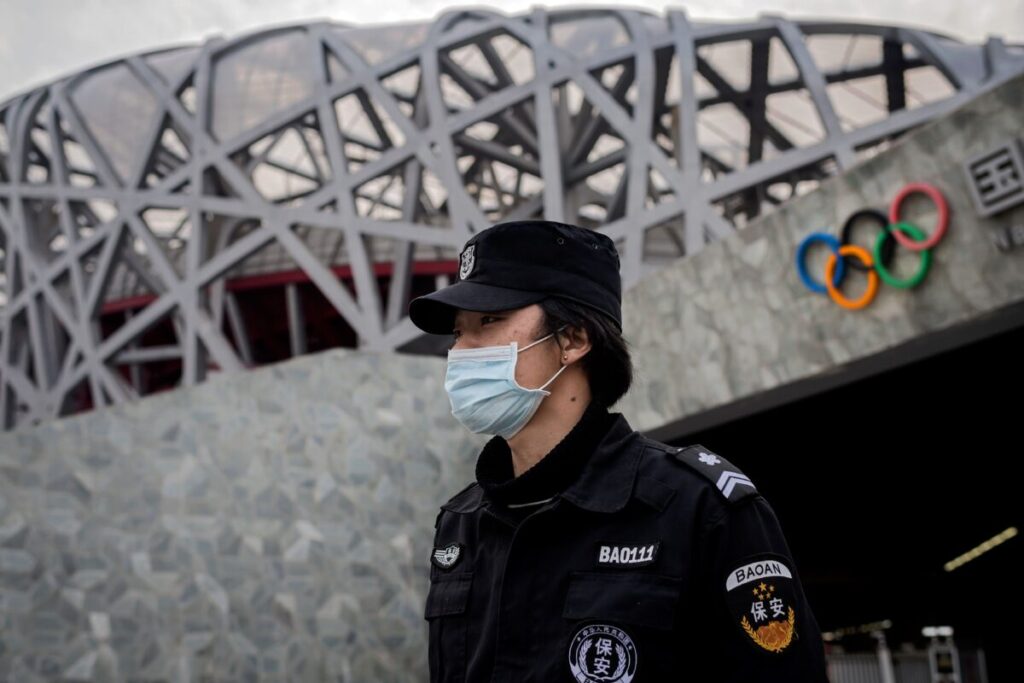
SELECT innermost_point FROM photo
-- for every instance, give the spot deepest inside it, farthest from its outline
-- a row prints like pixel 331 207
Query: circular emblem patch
pixel 600 653
pixel 467 261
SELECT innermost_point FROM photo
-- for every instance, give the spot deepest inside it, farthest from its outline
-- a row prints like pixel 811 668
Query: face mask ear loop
pixel 515 355
pixel 541 339
pixel 533 343
pixel 555 376
pixel 541 388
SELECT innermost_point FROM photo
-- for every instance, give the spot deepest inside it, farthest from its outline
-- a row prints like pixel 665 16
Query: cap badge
pixel 468 260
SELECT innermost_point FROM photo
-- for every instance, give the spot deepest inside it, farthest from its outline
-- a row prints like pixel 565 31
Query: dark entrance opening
pixel 880 482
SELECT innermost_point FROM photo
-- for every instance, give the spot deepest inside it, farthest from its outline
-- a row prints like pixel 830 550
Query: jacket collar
pixel 604 485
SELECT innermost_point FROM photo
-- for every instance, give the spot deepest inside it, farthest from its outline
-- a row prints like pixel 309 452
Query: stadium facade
pixel 210 208
pixel 276 524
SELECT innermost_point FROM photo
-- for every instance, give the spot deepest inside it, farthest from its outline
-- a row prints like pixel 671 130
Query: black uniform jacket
pixel 655 564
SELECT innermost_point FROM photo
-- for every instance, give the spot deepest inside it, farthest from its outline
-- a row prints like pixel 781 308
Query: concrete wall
pixel 276 525
pixel 270 526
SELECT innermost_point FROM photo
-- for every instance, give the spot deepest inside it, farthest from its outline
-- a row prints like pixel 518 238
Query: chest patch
pixel 626 555
pixel 448 556
pixel 760 595
pixel 601 653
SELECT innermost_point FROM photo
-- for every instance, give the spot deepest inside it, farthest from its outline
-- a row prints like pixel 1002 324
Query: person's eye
pixel 483 320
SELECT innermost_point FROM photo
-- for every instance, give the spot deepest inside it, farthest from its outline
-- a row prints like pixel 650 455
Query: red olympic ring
pixel 940 202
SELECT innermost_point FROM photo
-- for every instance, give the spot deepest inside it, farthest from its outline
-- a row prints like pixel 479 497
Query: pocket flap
pixel 448 594
pixel 645 599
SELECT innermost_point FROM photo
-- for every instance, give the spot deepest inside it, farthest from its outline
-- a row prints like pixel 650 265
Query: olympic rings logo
pixel 876 264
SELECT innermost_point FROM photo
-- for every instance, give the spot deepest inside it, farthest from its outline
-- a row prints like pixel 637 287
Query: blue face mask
pixel 485 397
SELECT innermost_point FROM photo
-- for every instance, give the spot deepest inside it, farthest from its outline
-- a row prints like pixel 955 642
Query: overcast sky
pixel 43 39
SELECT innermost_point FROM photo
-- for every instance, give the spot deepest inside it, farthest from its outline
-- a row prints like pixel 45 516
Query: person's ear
pixel 574 342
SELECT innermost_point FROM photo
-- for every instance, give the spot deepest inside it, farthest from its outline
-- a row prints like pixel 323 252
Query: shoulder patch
pixel 448 556
pixel 761 595
pixel 731 483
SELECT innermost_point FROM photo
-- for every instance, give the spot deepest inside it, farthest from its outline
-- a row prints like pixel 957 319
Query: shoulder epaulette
pixel 466 500
pixel 464 489
pixel 732 484
pixel 447 505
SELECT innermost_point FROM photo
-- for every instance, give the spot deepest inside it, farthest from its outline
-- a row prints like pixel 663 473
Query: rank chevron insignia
pixel 730 480
pixel 727 478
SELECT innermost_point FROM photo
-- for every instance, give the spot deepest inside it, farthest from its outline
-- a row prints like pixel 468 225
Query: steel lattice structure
pixel 166 209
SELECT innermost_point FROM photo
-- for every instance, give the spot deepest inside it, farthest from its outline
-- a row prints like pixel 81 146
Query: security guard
pixel 586 551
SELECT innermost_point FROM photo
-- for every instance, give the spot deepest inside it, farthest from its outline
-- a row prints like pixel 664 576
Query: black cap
pixel 515 264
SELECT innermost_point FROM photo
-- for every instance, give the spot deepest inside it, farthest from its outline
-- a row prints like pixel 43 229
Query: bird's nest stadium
pixel 208 208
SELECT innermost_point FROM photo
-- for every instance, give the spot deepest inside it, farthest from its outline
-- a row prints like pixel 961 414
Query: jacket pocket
pixel 446 604
pixel 643 599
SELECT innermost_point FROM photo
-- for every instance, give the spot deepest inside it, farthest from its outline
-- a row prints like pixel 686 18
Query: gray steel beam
pixel 535 159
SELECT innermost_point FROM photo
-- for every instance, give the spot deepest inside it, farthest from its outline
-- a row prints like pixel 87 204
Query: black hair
pixel 608 367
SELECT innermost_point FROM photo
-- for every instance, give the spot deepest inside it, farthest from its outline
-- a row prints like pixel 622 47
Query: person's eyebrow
pixel 482 314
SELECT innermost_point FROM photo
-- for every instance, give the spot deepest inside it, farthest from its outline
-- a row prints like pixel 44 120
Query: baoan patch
pixel 601 653
pixel 467 261
pixel 626 554
pixel 761 597
pixel 448 556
